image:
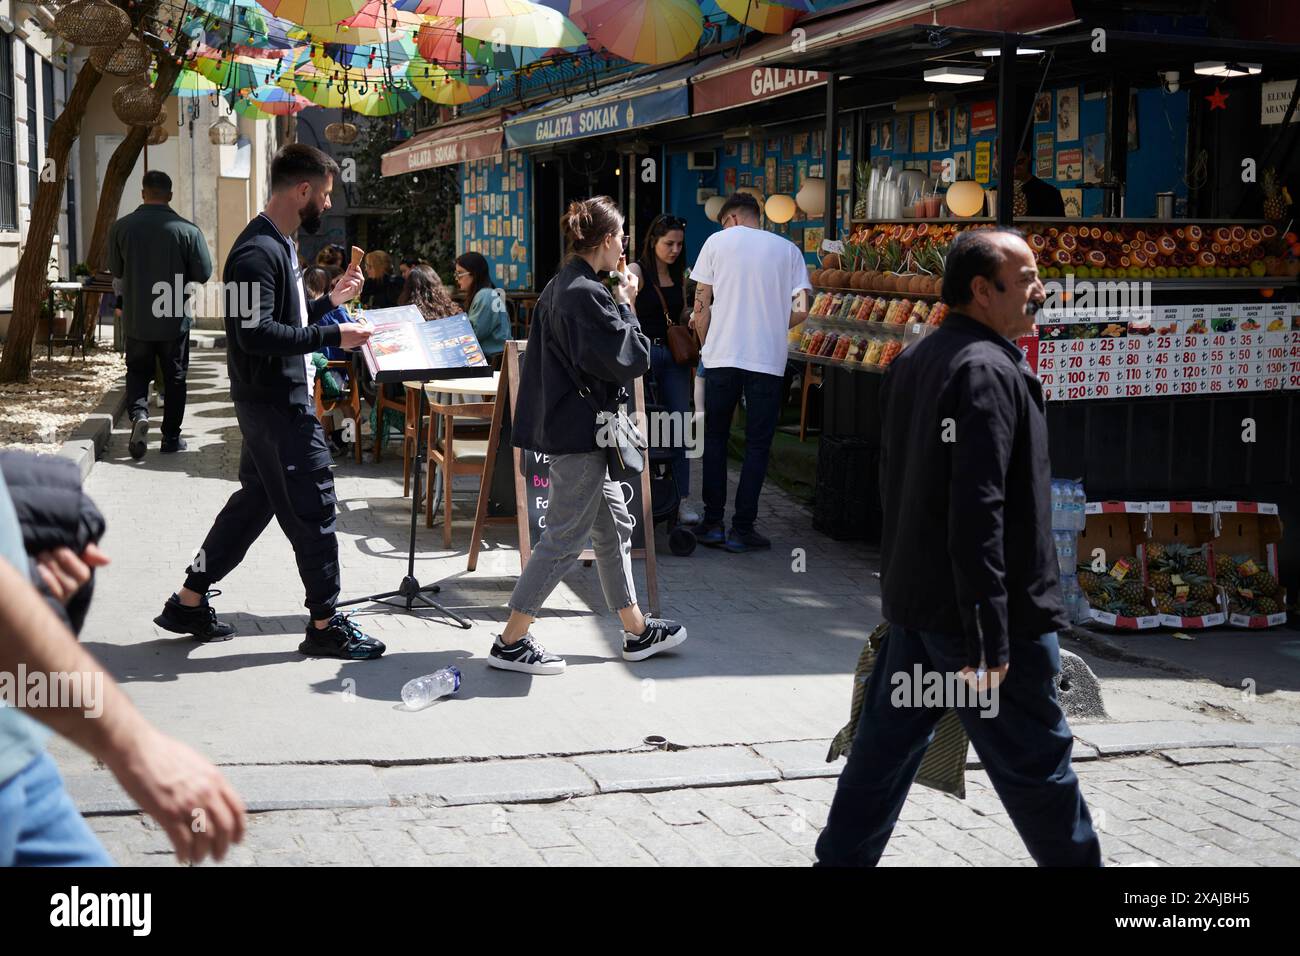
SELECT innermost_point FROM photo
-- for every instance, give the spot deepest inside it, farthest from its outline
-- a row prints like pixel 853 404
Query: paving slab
pixel 490 781
pixel 662 770
pixel 1143 736
pixel 797 759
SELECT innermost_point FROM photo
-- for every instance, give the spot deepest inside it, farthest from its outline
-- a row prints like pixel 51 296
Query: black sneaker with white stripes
pixel 526 656
pixel 659 635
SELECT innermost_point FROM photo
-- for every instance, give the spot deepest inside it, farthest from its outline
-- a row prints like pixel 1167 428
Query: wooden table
pixel 444 396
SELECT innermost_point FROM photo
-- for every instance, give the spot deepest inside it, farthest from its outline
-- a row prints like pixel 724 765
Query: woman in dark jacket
pixel 580 323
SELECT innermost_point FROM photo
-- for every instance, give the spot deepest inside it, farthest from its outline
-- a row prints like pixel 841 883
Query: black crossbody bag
pixel 623 442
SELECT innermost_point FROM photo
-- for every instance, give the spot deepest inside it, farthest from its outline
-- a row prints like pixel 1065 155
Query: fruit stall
pixel 1169 352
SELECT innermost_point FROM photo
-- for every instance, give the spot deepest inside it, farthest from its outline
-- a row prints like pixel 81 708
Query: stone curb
pixel 89 439
pixel 542 779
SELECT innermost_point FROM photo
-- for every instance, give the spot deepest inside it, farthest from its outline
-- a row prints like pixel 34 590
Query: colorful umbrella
pixel 643 31
pixel 190 84
pixel 232 74
pixel 248 109
pixel 376 100
pixel 764 17
pixel 539 27
pixel 395 53
pixel 462 9
pixel 331 90
pixel 438 40
pixel 277 101
pixel 313 13
pixel 448 88
pixel 376 22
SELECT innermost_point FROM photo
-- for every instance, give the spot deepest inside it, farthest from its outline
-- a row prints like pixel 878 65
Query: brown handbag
pixel 682 343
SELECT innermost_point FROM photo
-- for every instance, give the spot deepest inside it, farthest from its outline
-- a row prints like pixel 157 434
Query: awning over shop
pixel 722 83
pixel 446 145
pixel 633 103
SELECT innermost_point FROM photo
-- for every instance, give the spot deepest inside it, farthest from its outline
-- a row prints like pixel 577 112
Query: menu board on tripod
pixel 1206 349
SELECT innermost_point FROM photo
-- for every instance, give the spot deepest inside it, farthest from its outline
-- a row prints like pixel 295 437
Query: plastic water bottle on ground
pixel 423 691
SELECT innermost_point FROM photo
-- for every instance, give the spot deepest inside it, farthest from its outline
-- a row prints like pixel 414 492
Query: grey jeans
pixel 583 503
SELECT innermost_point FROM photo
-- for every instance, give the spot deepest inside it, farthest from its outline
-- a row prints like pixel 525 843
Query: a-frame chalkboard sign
pixel 532 488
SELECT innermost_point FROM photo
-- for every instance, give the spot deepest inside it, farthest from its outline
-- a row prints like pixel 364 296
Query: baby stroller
pixel 664 494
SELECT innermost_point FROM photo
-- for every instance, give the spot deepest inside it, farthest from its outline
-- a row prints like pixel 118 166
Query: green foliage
pixel 422 205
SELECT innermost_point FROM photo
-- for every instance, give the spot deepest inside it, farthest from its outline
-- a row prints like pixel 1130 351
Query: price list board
pixel 1170 350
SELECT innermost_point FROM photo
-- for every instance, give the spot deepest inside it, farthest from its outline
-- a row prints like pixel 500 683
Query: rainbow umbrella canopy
pixel 378 21
pixel 642 31
pixel 539 27
pixel 394 55
pixel 190 83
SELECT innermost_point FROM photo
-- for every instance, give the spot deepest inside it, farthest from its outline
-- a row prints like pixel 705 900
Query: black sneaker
pixel 139 438
pixel 712 535
pixel 200 622
pixel 740 541
pixel 526 656
pixel 659 635
pixel 342 639
pixel 172 445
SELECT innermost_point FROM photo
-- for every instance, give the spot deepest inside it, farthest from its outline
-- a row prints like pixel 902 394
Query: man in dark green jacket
pixel 157 254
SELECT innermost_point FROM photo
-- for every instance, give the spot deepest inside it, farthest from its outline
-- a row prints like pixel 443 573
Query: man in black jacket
pixel 968 572
pixel 284 466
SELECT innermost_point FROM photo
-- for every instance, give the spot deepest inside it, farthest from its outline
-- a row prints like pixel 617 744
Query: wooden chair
pixel 457 450
pixel 812 376
pixel 349 404
pixel 407 406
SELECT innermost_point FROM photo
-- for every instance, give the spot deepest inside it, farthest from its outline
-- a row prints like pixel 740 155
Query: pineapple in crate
pixel 1276 197
pixel 1180 577
pixel 1123 595
pixel 1255 591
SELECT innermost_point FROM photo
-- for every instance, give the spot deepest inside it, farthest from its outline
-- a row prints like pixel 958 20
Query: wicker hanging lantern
pixel 157 134
pixel 341 134
pixel 137 103
pixel 223 132
pixel 131 58
pixel 92 23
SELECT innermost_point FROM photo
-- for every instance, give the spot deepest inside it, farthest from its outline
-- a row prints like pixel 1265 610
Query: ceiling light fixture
pixel 1222 69
pixel 954 74
pixel 1020 51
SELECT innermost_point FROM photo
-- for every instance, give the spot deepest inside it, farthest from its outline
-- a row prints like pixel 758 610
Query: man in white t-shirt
pixel 755 276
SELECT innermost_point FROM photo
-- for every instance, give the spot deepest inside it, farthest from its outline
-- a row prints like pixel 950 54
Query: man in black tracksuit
pixel 969 572
pixel 284 466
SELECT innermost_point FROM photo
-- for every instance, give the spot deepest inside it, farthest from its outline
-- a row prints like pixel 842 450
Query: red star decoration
pixel 1218 99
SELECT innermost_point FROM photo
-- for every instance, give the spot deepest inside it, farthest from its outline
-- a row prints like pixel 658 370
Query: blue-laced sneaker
pixel 340 638
pixel 712 535
pixel 741 541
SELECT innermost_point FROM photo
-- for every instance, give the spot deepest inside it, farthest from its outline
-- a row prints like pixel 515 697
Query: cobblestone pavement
pixel 1149 810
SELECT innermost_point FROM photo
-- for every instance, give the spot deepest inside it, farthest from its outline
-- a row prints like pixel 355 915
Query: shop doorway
pixel 576 174
pixel 548 206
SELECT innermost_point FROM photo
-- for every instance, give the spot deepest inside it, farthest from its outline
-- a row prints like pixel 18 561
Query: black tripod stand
pixel 410 589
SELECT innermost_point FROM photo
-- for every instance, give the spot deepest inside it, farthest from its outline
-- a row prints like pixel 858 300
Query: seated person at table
pixel 485 304
pixel 317 280
pixel 424 290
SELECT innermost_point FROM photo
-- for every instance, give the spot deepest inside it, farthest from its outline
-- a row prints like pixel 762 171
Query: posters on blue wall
pixel 495 200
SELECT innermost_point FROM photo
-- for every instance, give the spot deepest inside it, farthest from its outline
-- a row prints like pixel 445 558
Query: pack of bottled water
pixel 1069 515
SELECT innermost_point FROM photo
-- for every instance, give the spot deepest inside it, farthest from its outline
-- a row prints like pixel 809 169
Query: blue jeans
pixel 674 383
pixel 39 826
pixel 1025 746
pixel 722 390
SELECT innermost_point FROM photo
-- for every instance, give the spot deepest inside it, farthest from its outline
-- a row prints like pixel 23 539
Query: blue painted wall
pixel 746 164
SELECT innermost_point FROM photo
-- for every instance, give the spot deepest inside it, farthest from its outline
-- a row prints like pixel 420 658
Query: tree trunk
pixel 29 280
pixel 110 195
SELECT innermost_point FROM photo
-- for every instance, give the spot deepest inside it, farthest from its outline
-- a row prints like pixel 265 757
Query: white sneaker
pixel 660 635
pixel 687 515
pixel 526 656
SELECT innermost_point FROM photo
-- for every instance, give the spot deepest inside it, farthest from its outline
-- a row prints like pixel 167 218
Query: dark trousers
pixel 283 472
pixel 674 384
pixel 141 356
pixel 722 390
pixel 1025 748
